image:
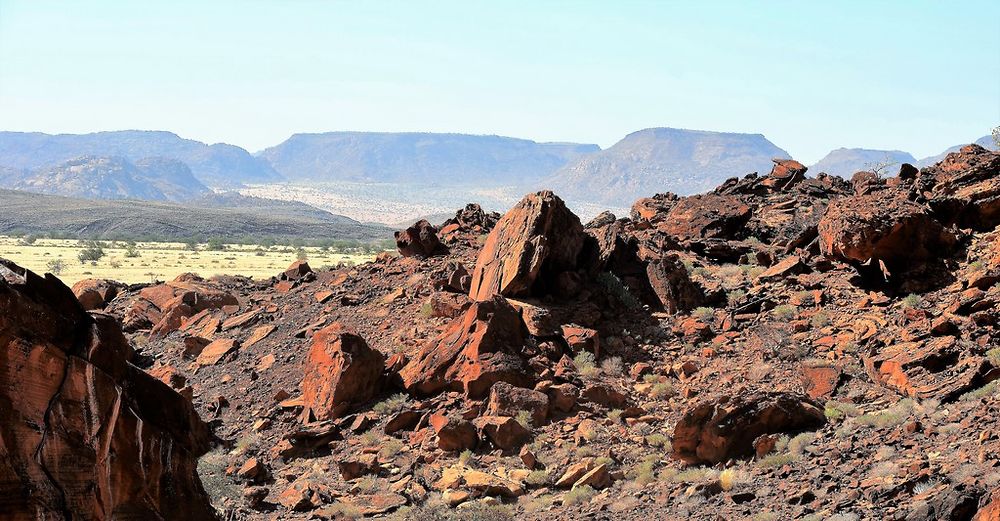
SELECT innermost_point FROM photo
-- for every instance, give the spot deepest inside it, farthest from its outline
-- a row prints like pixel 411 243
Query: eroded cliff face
pixel 83 433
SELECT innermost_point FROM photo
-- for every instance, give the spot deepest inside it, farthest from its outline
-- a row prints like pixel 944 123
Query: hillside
pixel 215 165
pixel 91 177
pixel 659 160
pixel 844 162
pixel 230 217
pixel 448 159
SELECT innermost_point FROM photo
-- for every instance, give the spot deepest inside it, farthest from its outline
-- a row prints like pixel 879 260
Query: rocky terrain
pixel 781 347
pixel 844 162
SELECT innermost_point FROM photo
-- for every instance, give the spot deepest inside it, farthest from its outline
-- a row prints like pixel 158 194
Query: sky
pixel 811 76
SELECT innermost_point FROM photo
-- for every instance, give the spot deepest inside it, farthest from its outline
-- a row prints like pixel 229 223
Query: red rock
pixel 878 228
pixel 533 243
pixel 419 240
pixel 341 371
pixel 447 304
pixel 964 188
pixel 672 283
pixel 71 399
pixel 582 339
pixel 788 266
pixel 563 397
pixel 820 381
pixel 297 270
pixel 504 432
pixel 941 368
pixel 784 174
pixel 95 294
pixel 216 350
pixel 716 431
pixel 604 394
pixel 454 434
pixel 990 508
pixel 357 466
pixel 478 349
pixel 707 216
pixel 259 334
pixel 507 400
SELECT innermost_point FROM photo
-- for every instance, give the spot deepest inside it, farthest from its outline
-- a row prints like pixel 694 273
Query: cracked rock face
pixel 83 433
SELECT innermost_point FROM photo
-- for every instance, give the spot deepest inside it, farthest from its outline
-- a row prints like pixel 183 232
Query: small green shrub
pixel 912 301
pixel 704 314
pixel 784 312
pixel 579 495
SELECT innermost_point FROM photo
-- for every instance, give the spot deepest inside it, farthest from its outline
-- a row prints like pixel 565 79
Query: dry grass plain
pixel 163 260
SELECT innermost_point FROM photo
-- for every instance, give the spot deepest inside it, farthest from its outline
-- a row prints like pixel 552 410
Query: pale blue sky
pixel 811 76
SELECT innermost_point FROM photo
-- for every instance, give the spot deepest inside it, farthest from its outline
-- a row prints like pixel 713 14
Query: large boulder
pixel 419 240
pixel 531 246
pixel 341 370
pixel 84 434
pixel 883 229
pixel 481 347
pixel 163 307
pixel 719 430
pixel 964 188
pixel 691 220
pixel 95 294
pixel 941 367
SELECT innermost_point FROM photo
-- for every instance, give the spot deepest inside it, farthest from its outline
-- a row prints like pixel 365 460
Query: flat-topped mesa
pixel 85 434
pixel 533 250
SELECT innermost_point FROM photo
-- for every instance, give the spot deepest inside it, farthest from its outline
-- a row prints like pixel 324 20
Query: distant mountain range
pixel 445 159
pixel 218 165
pixel 844 162
pixel 161 166
pixel 658 160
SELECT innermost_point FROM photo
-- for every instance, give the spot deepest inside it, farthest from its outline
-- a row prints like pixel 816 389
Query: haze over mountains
pixel 844 162
pixel 389 157
pixel 215 165
pixel 379 170
pixel 664 159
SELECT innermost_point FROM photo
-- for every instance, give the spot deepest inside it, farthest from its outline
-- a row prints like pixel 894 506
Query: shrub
pixel 890 417
pixel 131 250
pixel 524 418
pixel 215 244
pixel 212 472
pixel 92 252
pixel 657 440
pixel 55 266
pixel 584 362
pixel 615 415
pixel 615 287
pixel 466 458
pixel 537 478
pixel 735 296
pixel 775 460
pixel 391 405
pixel 835 410
pixel 784 312
pixel 644 472
pixel 820 319
pixel 704 314
pixel 612 366
pixel 662 390
pixel 994 356
pixel 300 254
pixel 390 448
pixel 912 301
pixel 579 495
pixel 984 391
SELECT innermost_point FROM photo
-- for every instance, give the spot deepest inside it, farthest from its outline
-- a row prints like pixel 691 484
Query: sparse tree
pixel 55 266
pixel 92 252
pixel 131 250
pixel 881 168
pixel 216 244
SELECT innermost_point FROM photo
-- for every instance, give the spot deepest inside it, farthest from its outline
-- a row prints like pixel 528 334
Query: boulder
pixel 297 270
pixel 419 240
pixel 95 294
pixel 84 434
pixel 479 348
pixel 964 189
pixel 784 174
pixel 707 216
pixel 723 429
pixel 341 370
pixel 504 432
pixel 454 434
pixel 507 400
pixel 531 245
pixel 883 230
pixel 672 283
pixel 942 368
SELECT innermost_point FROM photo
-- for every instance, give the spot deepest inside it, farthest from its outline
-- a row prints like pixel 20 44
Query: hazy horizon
pixel 916 76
